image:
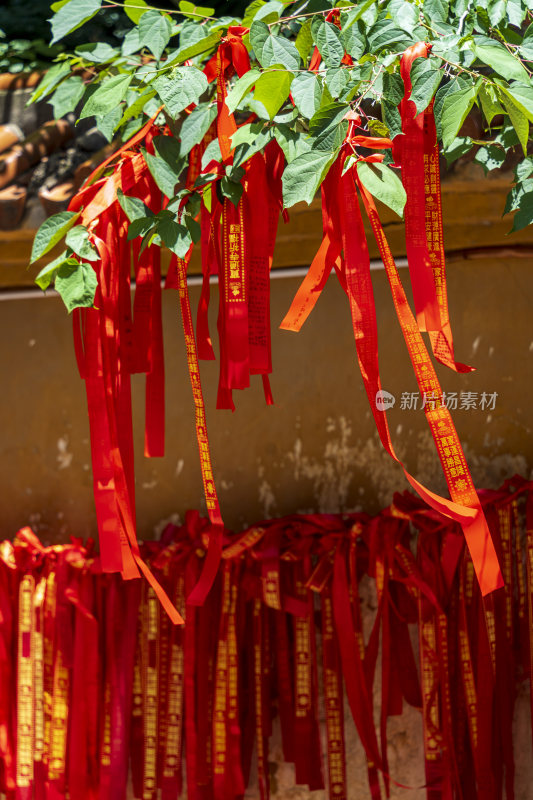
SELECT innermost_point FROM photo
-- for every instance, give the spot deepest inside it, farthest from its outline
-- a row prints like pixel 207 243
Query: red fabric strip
pixel 464 506
pixel 417 153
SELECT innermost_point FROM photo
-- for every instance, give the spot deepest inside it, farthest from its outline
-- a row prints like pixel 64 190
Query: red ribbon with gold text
pixel 416 152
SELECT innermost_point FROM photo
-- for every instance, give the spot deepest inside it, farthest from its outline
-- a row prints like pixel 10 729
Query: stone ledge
pixel 472 211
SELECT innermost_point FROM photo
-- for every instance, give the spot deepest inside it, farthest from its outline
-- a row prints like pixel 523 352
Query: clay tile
pixel 9 135
pixel 57 198
pixel 12 204
pixel 21 80
pixel 42 142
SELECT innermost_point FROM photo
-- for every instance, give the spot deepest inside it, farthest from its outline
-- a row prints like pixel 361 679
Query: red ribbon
pixel 417 152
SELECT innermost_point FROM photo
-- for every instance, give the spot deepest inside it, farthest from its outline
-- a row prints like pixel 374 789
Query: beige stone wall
pixel 315 449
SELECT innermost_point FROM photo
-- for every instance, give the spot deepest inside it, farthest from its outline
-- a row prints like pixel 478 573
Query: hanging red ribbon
pixel 417 152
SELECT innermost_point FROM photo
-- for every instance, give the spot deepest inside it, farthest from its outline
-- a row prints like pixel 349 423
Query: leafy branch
pixel 307 70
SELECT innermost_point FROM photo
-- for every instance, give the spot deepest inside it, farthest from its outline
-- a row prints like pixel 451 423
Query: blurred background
pixel 25 31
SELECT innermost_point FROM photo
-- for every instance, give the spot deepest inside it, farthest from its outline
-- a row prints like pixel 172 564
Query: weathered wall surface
pixel 316 449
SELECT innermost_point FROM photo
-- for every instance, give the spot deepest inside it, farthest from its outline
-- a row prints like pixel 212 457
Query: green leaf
pixel 446 89
pixel 524 169
pixel 195 126
pixel 182 87
pixel 272 49
pixel 459 147
pixel 425 82
pixel 500 60
pixel 131 42
pixel 497 10
pixel 233 191
pixel 383 183
pixel 71 16
pixel 67 96
pixel 448 48
pixel 516 12
pixel 133 207
pixel 109 122
pixel 174 236
pixel 328 41
pixel 130 129
pixel 303 176
pixel 51 232
pixel 279 50
pixel 404 14
pixel 354 40
pixel 135 9
pixel 293 144
pixel 393 88
pixel 165 175
pixel 514 197
pixel 78 240
pixel 270 12
pixel 455 108
pixel 272 89
pixel 482 20
pixel 490 157
pixel 140 227
pixel 194 12
pixel 304 41
pixel 246 134
pixel 48 273
pixel 337 79
pixel 328 126
pixel 391 118
pixel 76 283
pixel 55 75
pixel 507 136
pixel 211 153
pixel 191 33
pixel 155 30
pixel 107 96
pixel 245 151
pixel 168 148
pixel 522 96
pixel 367 12
pixel 519 121
pixel 386 34
pixel 241 87
pixel 97 52
pixel 377 127
pixel 306 92
pixel 526 48
pixel 436 10
pixel 54 7
pixel 134 109
pixel 489 102
pixel 524 215
pixel 194 228
pixel 250 11
pixel 196 49
pixel 259 33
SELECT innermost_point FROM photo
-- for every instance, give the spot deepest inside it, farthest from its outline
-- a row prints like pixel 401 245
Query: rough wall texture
pixel 316 449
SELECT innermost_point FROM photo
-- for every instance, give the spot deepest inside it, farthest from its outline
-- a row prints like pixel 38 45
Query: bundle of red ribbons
pixel 96 680
pixel 114 340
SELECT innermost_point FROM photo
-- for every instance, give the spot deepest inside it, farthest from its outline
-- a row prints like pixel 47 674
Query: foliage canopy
pixel 312 62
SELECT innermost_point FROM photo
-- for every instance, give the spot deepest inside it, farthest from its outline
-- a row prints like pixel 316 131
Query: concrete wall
pixel 316 449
